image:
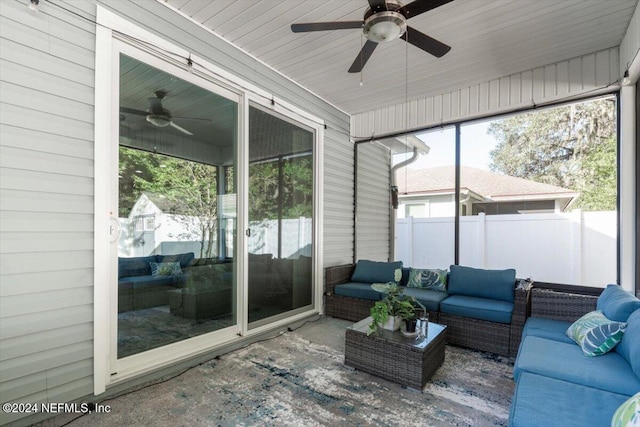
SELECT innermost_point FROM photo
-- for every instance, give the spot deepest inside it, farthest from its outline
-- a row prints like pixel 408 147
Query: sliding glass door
pixel 280 238
pixel 176 209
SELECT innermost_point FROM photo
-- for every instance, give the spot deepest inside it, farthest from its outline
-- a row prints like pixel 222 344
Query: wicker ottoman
pixel 394 357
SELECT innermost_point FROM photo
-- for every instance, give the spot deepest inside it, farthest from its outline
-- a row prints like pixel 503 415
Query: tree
pixel 571 146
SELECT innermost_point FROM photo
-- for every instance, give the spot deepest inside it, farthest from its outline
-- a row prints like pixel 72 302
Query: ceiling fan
pixel 157 115
pixel 384 21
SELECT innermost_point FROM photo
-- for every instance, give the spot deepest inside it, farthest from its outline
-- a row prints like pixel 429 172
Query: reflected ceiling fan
pixel 384 21
pixel 157 115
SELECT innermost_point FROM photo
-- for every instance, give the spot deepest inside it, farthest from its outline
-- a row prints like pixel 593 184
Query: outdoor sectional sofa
pixel 556 383
pixel 139 288
pixel 483 309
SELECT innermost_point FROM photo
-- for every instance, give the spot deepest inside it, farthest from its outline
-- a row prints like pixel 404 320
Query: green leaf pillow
pixel 628 414
pixel 165 268
pixel 596 334
pixel 426 278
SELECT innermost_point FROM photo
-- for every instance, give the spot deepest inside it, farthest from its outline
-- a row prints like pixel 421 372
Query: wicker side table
pixel 394 357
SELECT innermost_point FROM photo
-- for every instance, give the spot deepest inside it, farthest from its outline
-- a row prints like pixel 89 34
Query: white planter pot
pixel 393 323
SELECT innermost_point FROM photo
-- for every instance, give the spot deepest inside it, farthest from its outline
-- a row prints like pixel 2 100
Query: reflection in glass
pixel 177 209
pixel 280 216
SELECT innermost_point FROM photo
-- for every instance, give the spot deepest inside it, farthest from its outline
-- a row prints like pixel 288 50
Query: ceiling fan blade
pixel 363 56
pixel 378 5
pixel 133 111
pixel 421 6
pixel 424 42
pixel 191 118
pixel 325 26
pixel 180 128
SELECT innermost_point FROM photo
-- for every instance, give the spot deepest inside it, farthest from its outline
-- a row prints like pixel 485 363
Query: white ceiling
pixel 489 39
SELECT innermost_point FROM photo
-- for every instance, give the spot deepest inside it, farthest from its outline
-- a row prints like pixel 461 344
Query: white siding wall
pixel 46 184
pixel 372 222
pixel 583 75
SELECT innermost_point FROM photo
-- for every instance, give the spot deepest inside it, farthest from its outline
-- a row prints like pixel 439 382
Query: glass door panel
pixel 176 208
pixel 281 193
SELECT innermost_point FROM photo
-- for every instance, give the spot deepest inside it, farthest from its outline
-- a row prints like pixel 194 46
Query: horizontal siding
pixel 372 222
pixel 589 74
pixel 46 184
pixel 46 205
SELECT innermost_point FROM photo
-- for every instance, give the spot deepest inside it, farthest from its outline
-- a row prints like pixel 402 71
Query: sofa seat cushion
pixel 476 282
pixel 139 282
pixel 609 372
pixel 478 308
pixel 358 290
pixel 427 297
pixel 547 328
pixel 544 401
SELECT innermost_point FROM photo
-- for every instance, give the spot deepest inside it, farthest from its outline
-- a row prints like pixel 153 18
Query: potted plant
pixel 389 312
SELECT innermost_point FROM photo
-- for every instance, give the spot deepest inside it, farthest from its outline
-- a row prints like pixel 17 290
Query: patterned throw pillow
pixel 628 414
pixel 596 334
pixel 433 279
pixel 165 268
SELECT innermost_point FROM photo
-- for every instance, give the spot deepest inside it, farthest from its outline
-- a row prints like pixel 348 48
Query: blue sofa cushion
pixel 185 259
pixel 596 334
pixel 609 372
pixel 629 347
pixel 375 272
pixel 427 297
pixel 476 282
pixel 358 290
pixel 543 401
pixel 136 266
pixel 617 304
pixel 139 282
pixel 478 308
pixel 428 278
pixel 547 328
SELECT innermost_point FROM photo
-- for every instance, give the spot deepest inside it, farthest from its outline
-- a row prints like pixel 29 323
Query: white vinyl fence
pixel 577 248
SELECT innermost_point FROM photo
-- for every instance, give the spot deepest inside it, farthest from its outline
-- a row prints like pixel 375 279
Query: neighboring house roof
pixel 490 186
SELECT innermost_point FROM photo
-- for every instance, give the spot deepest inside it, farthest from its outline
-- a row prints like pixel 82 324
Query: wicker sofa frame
pixel 500 338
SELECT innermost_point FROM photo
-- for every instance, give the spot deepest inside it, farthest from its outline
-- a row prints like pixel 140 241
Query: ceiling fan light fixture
pixel 159 120
pixel 384 26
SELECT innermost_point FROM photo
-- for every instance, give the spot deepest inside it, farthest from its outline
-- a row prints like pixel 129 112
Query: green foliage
pixel 560 146
pixel 395 303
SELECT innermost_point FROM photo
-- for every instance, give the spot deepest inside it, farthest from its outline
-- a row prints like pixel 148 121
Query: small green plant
pixel 393 304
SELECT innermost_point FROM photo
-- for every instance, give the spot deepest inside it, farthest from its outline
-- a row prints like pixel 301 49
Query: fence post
pixel 482 239
pixel 576 238
pixel 410 238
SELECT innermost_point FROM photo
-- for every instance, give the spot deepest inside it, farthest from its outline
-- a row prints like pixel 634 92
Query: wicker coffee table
pixel 394 357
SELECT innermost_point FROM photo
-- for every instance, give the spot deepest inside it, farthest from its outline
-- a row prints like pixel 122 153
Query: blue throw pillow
pixel 629 348
pixel 617 304
pixel 434 279
pixel 596 334
pixel 377 272
pixel 165 268
pixel 476 282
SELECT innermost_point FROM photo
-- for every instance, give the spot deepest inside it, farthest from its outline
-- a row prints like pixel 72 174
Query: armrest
pixel 336 275
pixel 560 305
pixel 522 302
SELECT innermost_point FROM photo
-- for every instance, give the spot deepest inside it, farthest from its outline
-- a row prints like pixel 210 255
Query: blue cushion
pixel 609 372
pixel 478 308
pixel 617 304
pixel 629 347
pixel 375 272
pixel 427 297
pixel 475 282
pixel 543 401
pixel 136 266
pixel 547 328
pixel 185 260
pixel 358 290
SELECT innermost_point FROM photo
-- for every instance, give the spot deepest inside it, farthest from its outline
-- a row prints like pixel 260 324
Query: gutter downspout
pixel 394 202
